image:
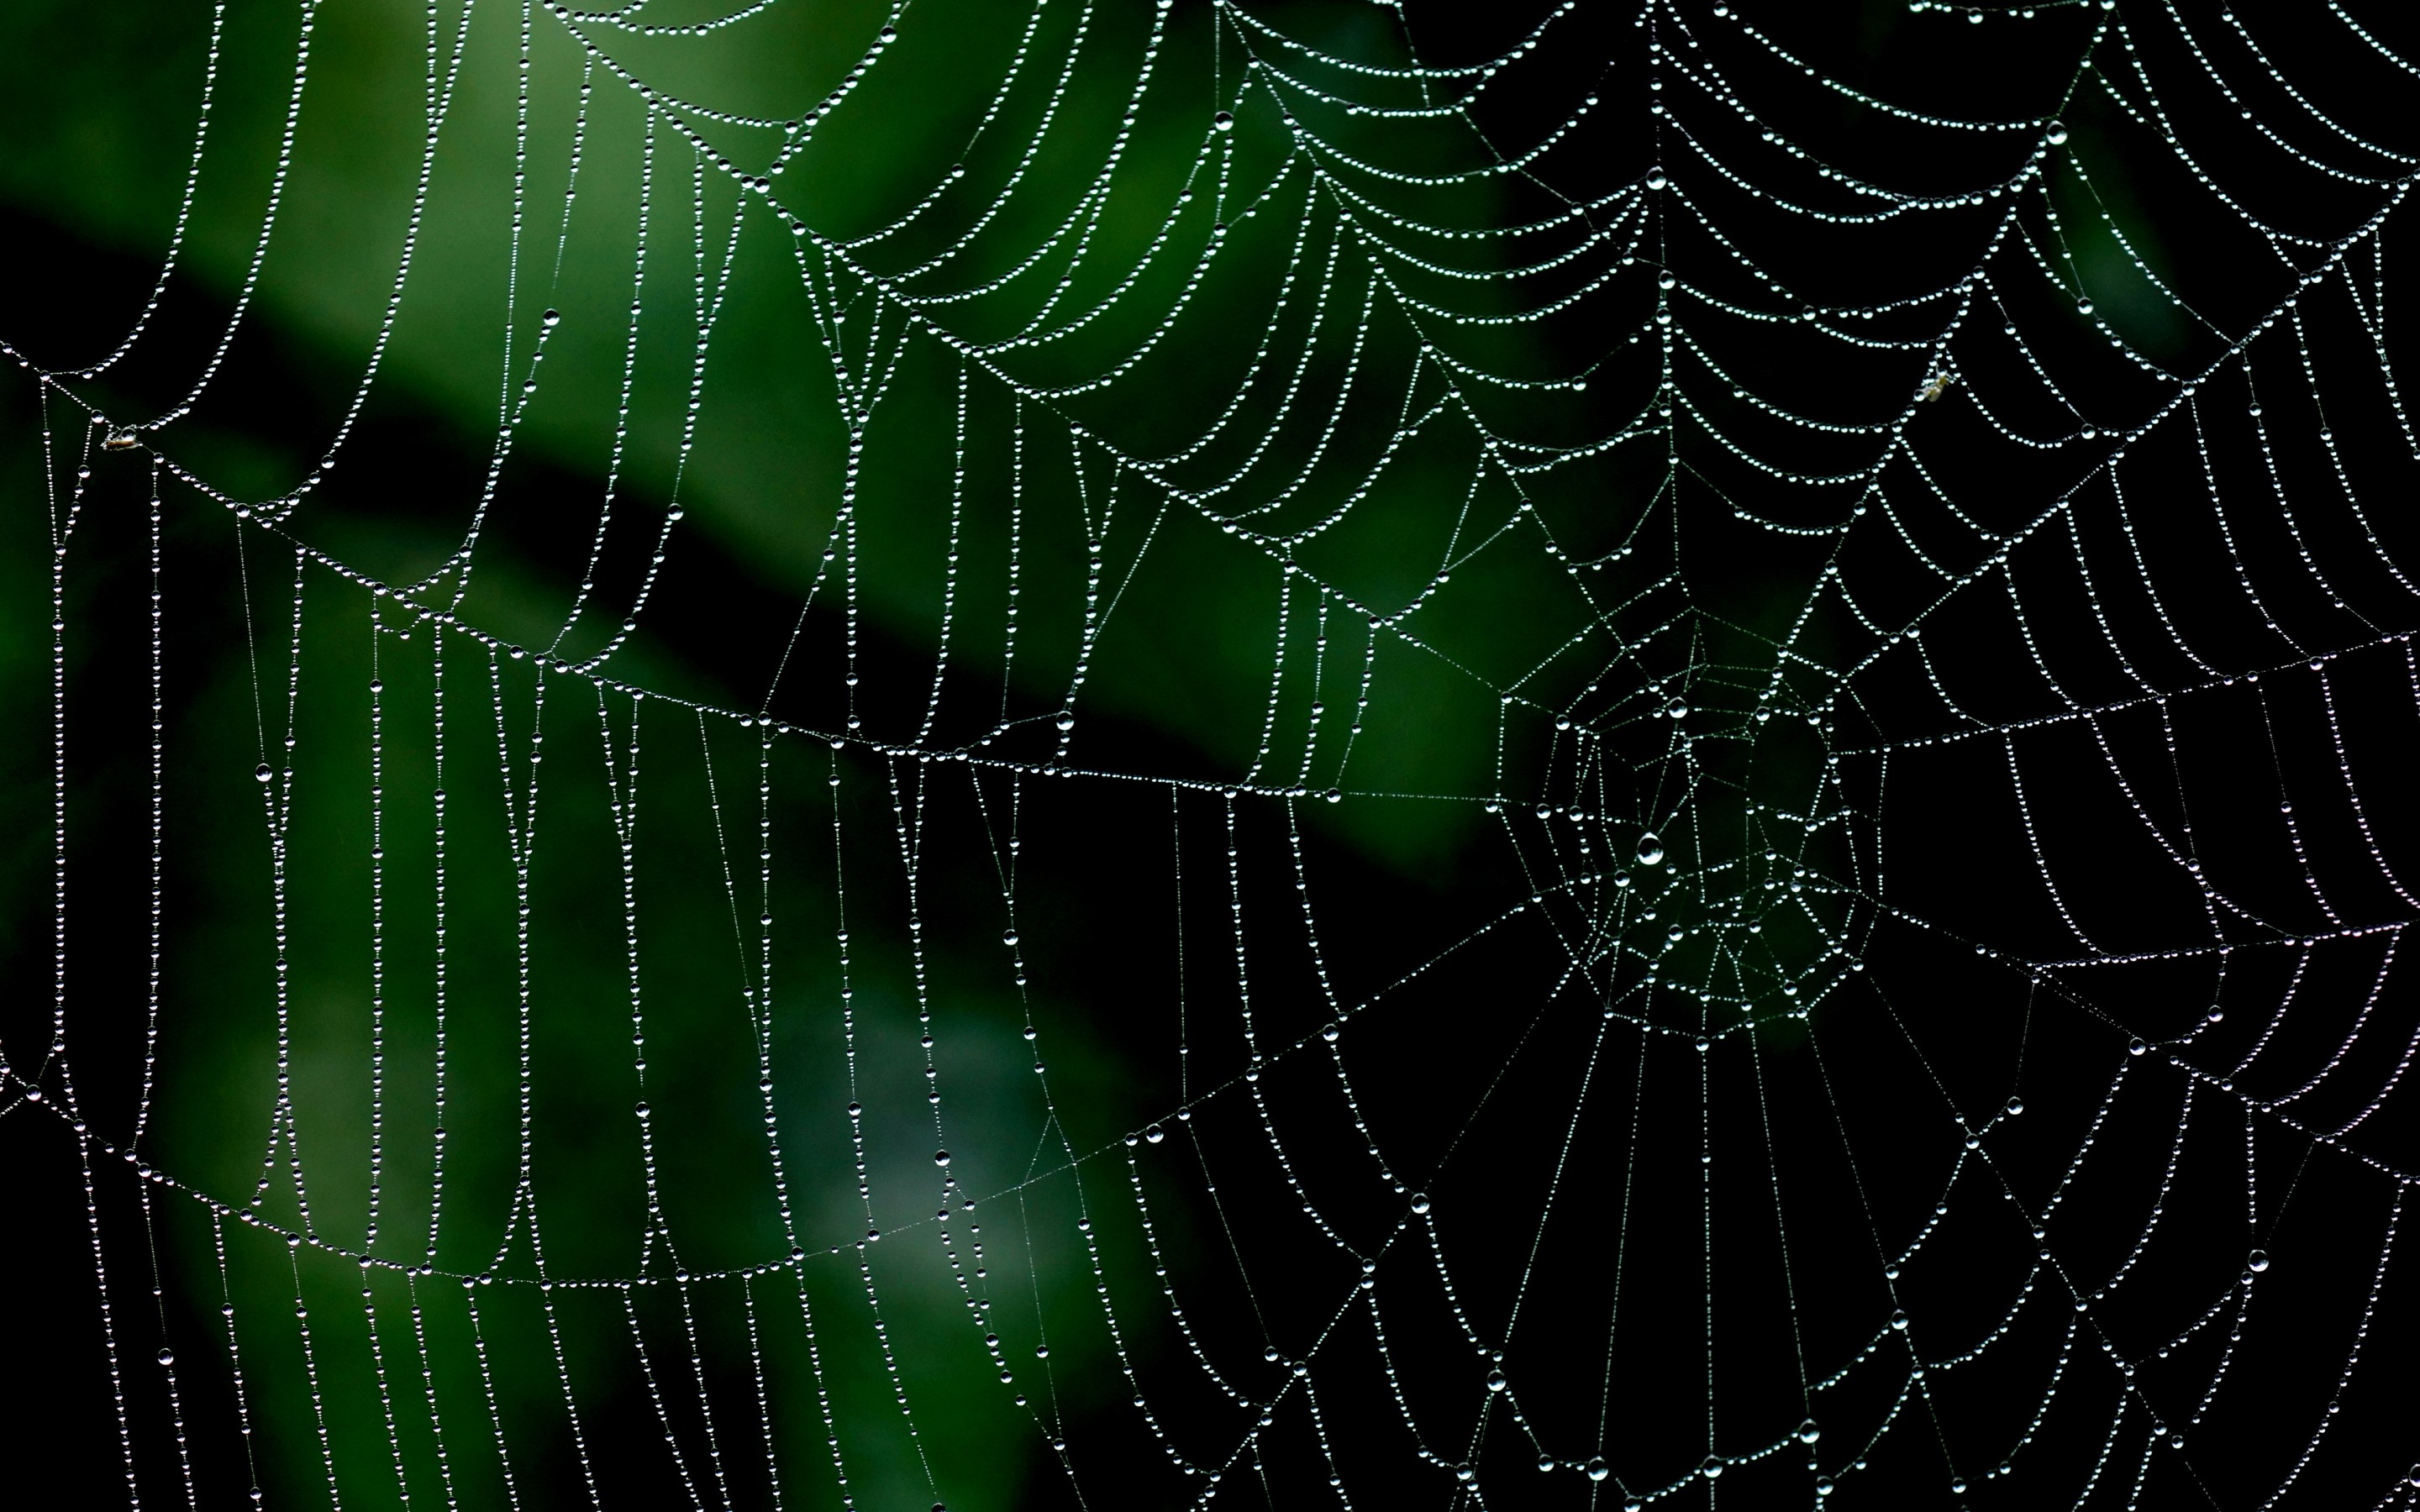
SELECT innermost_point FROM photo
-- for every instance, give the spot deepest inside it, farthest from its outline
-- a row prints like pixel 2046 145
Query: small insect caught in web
pixel 121 440
pixel 1937 385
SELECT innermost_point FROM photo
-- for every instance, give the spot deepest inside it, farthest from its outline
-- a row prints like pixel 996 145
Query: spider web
pixel 1203 751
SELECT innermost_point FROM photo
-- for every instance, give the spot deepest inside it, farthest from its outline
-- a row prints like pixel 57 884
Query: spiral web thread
pixel 2063 666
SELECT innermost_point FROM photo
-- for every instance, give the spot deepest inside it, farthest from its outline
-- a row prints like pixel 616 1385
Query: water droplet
pixel 1899 1321
pixel 1597 1468
pixel 1545 1462
pixel 2084 305
pixel 1651 851
pixel 1808 1432
pixel 1495 1380
pixel 1420 1202
pixel 1066 721
pixel 261 773
pixel 1154 1134
pixel 2056 135
pixel 554 317
pixel 167 1357
pixel 1711 1467
pixel 1223 120
pixel 2016 1105
pixel 2260 1261
pixel 1621 879
pixel 1465 1474
pixel 940 1157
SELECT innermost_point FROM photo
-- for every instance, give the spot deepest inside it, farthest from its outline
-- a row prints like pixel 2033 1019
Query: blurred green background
pixel 1099 439
pixel 1007 169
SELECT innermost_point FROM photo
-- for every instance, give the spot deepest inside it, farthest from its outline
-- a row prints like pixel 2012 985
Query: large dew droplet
pixel 1650 850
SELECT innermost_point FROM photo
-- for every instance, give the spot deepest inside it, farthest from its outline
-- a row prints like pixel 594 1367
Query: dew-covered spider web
pixel 1033 753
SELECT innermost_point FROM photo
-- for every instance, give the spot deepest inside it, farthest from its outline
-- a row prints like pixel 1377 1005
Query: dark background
pixel 1970 909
